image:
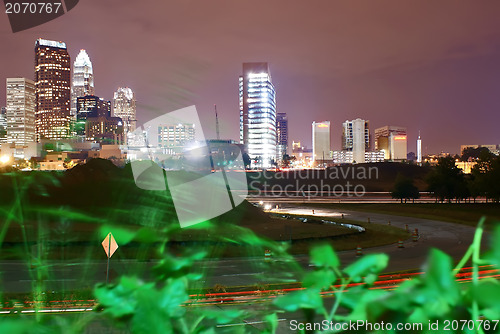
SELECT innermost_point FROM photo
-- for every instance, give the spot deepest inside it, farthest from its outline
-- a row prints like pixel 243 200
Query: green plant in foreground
pixel 434 297
pixel 158 305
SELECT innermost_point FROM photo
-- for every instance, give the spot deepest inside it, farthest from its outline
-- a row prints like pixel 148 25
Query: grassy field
pixel 374 235
pixel 462 213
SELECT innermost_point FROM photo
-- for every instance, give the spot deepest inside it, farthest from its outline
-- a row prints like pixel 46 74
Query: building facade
pixel 419 149
pixel 495 149
pixel 282 135
pixel 94 121
pixel 257 99
pixel 321 141
pixel 393 141
pixel 20 111
pixel 53 90
pixel 104 130
pixel 83 79
pixel 347 157
pixel 92 106
pixel 175 137
pixel 356 138
pixel 3 125
pixel 124 106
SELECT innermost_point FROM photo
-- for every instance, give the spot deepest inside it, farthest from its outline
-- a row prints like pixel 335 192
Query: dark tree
pixel 447 181
pixel 404 189
pixel 474 153
pixel 486 176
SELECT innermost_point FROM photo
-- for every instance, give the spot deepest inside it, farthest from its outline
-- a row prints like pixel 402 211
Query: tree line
pixel 447 182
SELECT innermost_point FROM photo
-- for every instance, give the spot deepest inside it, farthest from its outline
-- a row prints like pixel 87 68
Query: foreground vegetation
pixel 157 305
pixel 104 200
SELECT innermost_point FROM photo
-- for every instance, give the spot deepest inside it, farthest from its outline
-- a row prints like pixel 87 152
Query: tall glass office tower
pixel 282 134
pixel 125 108
pixel 53 89
pixel 83 79
pixel 258 114
pixel 20 111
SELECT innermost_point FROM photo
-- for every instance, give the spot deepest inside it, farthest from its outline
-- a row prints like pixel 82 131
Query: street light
pixel 4 159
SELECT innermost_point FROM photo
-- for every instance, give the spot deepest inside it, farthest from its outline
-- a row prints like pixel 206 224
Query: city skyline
pixel 387 71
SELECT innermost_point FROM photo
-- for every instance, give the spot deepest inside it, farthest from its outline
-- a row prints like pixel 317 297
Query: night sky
pixel 427 65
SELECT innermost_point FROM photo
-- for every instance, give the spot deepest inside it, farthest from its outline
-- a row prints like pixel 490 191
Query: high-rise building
pixel 258 114
pixel 53 89
pixel 393 141
pixel 175 137
pixel 3 125
pixel 92 106
pixel 20 111
pixel 419 149
pixel 356 138
pixel 104 130
pixel 282 134
pixel 94 121
pixel 321 141
pixel 125 108
pixel 83 79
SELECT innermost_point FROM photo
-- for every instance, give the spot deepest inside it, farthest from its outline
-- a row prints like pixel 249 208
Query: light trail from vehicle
pixel 386 282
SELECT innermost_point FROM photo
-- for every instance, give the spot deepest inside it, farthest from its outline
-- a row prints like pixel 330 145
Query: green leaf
pixel 303 299
pixel 122 235
pixel 148 235
pixel 365 304
pixel 368 264
pixel 271 322
pixel 23 326
pixel 121 300
pixel 324 256
pixel 439 271
pixel 171 266
pixel 149 316
pixel 494 254
pixel 486 294
pixel 321 279
pixel 223 316
pixel 172 296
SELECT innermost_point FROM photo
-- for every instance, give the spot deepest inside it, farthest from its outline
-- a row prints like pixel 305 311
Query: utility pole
pixel 216 122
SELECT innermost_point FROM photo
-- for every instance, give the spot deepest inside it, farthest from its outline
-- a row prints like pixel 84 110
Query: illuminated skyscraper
pixel 282 134
pixel 393 141
pixel 124 107
pixel 356 138
pixel 419 149
pixel 53 89
pixel 92 106
pixel 83 79
pixel 321 141
pixel 258 114
pixel 3 125
pixel 94 121
pixel 20 111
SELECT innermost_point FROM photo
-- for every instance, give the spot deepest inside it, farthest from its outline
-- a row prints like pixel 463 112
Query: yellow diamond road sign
pixel 110 245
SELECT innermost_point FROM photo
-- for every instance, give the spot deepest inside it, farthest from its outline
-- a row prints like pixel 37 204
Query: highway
pixel 452 238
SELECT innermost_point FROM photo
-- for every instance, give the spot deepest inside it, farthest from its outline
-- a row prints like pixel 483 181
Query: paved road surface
pixel 452 238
